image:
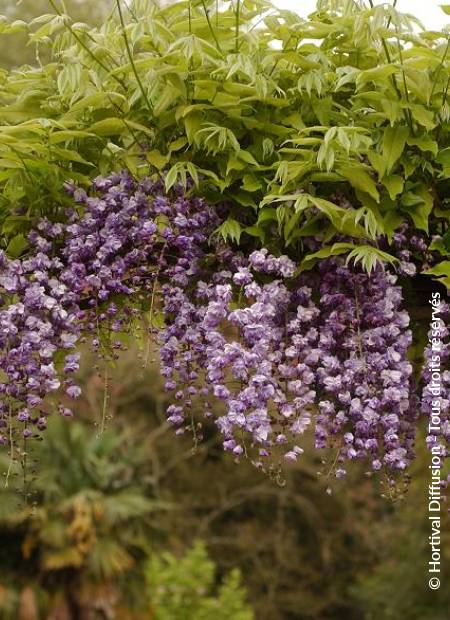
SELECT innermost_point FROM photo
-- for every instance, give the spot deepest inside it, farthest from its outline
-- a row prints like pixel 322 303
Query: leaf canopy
pixel 253 105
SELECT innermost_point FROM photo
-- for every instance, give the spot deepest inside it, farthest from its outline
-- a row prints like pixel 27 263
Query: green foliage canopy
pixel 270 112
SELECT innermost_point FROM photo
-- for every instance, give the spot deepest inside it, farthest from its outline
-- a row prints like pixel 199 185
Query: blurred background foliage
pixel 16 51
pixel 107 528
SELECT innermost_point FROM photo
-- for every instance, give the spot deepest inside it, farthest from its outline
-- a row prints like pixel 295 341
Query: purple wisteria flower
pixel 88 278
pixel 247 342
pixel 364 378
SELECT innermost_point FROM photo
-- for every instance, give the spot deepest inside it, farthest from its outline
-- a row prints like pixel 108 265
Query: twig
pixel 439 69
pixel 105 403
pixel 11 449
pixel 130 58
pixel 211 27
pixel 238 9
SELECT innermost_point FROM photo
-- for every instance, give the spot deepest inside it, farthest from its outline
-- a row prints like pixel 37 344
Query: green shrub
pixel 184 589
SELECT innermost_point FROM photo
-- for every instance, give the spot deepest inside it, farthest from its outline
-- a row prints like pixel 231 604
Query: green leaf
pixel 313 227
pixel 14 223
pixel 157 159
pixel 441 271
pixel 138 126
pixel 311 259
pixel 267 214
pixel 251 183
pixel 378 162
pixel 17 246
pixel 234 163
pixel 177 144
pixel 369 257
pixel 108 127
pixel 290 225
pixel 423 116
pixel 339 217
pixel 438 245
pixel 443 157
pixel 246 199
pixel 445 241
pixel 70 155
pixel 180 171
pixel 247 157
pixel 369 214
pixel 394 140
pixel 254 231
pixel 230 229
pixel 418 203
pixel 424 143
pixel 392 221
pixel 96 101
pixel 171 177
pixel 357 176
pixel 192 171
pixel 375 75
pixel 167 97
pixel 68 135
pixel 394 184
pixel 69 79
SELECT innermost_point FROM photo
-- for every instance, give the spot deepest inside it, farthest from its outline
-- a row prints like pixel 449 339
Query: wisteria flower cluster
pixel 273 357
pixel 86 278
pixel 247 341
pixel 37 321
pixel 367 400
pixel 256 357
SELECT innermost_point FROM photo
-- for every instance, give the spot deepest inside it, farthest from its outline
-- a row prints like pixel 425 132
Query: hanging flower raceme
pixel 254 340
pixel 265 352
pixel 37 320
pixel 117 244
pixel 367 405
pixel 248 345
